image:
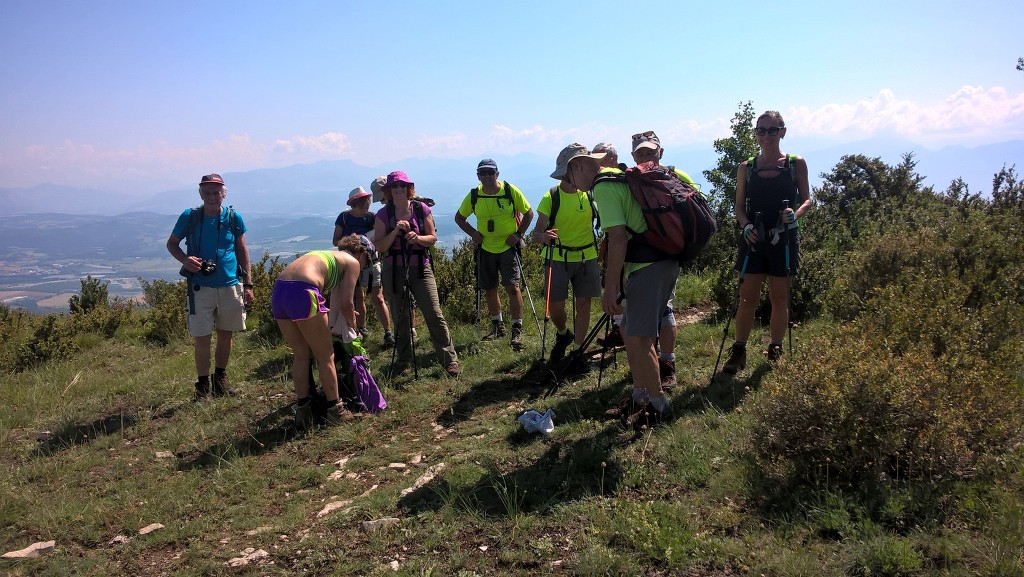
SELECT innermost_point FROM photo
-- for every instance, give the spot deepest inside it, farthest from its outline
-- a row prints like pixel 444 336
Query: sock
pixel 667 356
pixel 204 380
pixel 496 317
pixel 775 342
pixel 660 403
pixel 640 396
pixel 517 322
pixel 741 344
pixel 220 372
pixel 563 331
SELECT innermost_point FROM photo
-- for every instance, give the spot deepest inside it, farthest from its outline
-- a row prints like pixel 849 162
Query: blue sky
pixel 153 94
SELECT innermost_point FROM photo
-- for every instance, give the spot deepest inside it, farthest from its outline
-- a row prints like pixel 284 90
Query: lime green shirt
pixel 495 207
pixel 574 222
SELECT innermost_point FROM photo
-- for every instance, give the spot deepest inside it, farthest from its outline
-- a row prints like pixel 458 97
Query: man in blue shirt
pixel 215 260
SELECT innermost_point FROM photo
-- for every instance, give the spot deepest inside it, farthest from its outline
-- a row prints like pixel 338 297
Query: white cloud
pixel 973 115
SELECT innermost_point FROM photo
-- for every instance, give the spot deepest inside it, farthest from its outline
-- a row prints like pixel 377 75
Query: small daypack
pixel 367 391
pixel 679 220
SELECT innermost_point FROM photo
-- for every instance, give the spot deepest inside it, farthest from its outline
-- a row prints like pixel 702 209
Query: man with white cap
pixel 647 286
pixel 359 220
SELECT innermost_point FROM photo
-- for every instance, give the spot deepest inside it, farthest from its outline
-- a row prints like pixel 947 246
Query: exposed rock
pixel 33 550
pixel 119 540
pixel 164 455
pixel 257 531
pixel 333 506
pixel 248 555
pixel 396 465
pixel 150 528
pixel 393 565
pixel 427 477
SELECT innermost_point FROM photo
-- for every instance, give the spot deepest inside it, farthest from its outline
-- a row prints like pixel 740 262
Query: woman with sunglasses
pixel 772 192
pixel 403 231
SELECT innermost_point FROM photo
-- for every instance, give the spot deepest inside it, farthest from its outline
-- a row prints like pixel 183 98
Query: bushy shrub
pixel 94 293
pixel 53 338
pixel 165 320
pixel 259 319
pixel 862 406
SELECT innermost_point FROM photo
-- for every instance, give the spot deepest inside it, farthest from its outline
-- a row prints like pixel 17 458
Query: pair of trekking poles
pixel 739 285
pixel 477 258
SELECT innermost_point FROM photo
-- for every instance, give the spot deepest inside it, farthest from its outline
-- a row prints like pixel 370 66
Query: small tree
pixel 94 294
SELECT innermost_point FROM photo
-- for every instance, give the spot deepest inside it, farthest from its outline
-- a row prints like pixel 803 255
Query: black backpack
pixel 679 220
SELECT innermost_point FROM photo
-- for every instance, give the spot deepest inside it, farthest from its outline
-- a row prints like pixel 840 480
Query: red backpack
pixel 679 220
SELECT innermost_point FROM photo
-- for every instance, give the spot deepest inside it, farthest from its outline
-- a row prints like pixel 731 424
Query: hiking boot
pixel 648 417
pixel 577 365
pixel 337 414
pixel 497 331
pixel 516 342
pixel 562 342
pixel 624 409
pixel 202 390
pixel 453 369
pixel 774 352
pixel 737 359
pixel 364 332
pixel 668 374
pixel 303 415
pixel 401 370
pixel 614 339
pixel 220 387
pixel 389 339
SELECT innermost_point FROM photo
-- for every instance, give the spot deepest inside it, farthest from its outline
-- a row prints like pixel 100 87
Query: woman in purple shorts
pixel 297 303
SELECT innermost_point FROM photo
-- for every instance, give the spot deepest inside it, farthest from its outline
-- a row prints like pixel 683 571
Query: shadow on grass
pixel 262 436
pixel 724 393
pixel 566 472
pixel 73 434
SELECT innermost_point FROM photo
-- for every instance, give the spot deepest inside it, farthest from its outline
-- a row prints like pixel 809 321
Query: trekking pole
pixel 547 302
pixel 522 276
pixel 739 285
pixel 579 352
pixel 476 261
pixel 789 281
pixel 407 257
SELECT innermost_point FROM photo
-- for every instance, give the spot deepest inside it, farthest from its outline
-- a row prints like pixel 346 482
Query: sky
pixel 152 94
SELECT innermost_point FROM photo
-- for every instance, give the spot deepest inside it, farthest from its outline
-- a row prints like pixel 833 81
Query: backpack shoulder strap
pixel 417 208
pixel 474 195
pixel 195 219
pixel 556 199
pixel 791 163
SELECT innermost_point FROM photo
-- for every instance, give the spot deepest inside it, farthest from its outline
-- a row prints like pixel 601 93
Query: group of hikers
pixel 595 233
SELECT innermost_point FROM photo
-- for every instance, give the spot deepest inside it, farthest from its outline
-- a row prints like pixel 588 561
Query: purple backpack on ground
pixel 366 386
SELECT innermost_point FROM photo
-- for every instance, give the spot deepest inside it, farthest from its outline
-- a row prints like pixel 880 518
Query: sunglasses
pixel 770 131
pixel 487 172
pixel 399 185
pixel 644 135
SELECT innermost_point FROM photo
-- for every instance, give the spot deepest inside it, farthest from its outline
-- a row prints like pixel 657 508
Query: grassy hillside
pixel 456 486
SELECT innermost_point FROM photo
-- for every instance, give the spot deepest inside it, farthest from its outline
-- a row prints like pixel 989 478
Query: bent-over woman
pixel 297 303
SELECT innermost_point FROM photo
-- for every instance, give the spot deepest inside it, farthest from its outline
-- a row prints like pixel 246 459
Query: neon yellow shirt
pixel 574 222
pixel 495 207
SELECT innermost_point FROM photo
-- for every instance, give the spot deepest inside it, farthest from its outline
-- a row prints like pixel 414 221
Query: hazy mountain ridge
pixel 322 188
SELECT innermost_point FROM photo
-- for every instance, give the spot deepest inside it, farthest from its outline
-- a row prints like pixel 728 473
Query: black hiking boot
pixel 562 342
pixel 202 390
pixel 648 417
pixel 497 331
pixel 737 359
pixel 774 353
pixel 613 340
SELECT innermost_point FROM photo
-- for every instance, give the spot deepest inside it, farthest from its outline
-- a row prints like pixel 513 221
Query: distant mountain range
pixel 321 189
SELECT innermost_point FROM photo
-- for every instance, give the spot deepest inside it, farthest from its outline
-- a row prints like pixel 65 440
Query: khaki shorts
pixel 370 276
pixel 222 306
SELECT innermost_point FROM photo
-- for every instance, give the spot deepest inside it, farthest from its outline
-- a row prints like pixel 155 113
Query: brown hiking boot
pixel 623 410
pixel 668 374
pixel 220 388
pixel 516 342
pixel 338 414
pixel 737 359
pixel 648 417
pixel 497 331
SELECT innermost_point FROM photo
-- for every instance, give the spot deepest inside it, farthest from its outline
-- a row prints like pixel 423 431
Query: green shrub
pixel 94 294
pixel 164 322
pixel 259 319
pixel 887 557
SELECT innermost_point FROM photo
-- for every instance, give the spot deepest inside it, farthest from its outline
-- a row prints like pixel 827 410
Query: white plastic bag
pixel 536 422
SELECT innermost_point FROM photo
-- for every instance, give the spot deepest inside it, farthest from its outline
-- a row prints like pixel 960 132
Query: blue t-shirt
pixel 212 239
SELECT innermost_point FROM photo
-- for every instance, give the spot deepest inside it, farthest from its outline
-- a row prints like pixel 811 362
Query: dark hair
pixel 774 114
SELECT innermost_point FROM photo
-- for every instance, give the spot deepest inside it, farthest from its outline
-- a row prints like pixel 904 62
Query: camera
pixel 206 268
